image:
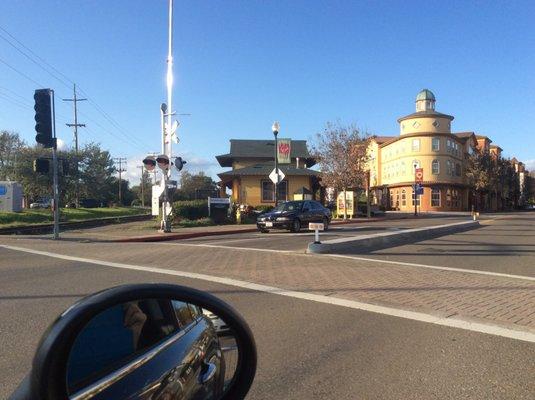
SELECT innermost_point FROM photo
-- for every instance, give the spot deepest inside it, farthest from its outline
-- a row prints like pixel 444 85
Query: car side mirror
pixel 155 340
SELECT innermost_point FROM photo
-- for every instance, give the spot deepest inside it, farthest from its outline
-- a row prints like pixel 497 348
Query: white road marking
pixel 390 311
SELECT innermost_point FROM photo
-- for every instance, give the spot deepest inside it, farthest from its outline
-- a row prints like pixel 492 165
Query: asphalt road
pixel 307 350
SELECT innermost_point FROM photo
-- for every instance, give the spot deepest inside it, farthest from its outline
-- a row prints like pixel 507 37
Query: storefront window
pixel 403 198
pixel 417 199
pixel 268 191
pixel 435 197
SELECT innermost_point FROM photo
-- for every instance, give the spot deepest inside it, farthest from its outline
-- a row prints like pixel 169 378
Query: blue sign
pixel 3 190
pixel 419 189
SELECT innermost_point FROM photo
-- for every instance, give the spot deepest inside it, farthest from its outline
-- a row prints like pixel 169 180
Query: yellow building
pixel 253 160
pixel 425 141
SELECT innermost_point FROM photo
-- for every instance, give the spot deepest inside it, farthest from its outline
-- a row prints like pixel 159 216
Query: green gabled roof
pixel 263 150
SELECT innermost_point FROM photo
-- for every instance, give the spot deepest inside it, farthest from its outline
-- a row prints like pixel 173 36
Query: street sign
pixel 419 189
pixel 316 227
pixel 273 176
pixel 312 226
pixel 219 200
pixel 419 175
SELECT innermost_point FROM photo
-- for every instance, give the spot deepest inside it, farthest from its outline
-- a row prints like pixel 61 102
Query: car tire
pixel 325 224
pixel 296 226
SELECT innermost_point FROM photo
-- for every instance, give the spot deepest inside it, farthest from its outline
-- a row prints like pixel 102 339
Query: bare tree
pixel 341 154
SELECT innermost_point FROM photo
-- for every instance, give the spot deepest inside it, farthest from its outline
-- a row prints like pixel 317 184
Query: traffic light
pixel 41 165
pixel 43 117
pixel 179 163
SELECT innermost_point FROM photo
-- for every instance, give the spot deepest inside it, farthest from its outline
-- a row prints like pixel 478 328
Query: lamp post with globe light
pixel 275 128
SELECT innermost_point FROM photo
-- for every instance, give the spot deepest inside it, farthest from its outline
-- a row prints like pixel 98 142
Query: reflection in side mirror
pixel 146 341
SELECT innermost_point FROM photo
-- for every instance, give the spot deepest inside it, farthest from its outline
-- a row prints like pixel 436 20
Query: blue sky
pixel 240 65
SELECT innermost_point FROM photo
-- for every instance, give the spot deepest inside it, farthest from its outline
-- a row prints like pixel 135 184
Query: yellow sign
pixel 350 202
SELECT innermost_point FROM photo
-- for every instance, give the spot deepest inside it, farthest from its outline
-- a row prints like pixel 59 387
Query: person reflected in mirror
pixel 134 319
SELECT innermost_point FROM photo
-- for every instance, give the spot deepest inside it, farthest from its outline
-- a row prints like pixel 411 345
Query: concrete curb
pixel 362 244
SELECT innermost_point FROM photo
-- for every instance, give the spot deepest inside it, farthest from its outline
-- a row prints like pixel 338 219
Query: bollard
pixel 316 227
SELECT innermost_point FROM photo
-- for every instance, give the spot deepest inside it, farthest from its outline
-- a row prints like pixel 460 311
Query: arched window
pixel 435 197
pixel 435 167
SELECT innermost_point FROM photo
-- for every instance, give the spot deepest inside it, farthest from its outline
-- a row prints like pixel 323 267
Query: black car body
pixel 173 353
pixel 294 215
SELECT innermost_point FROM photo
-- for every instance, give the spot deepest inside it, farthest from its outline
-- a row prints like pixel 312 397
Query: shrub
pixel 194 209
pixel 135 203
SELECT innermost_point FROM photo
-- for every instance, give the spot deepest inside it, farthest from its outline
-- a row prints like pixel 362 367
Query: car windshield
pixel 288 206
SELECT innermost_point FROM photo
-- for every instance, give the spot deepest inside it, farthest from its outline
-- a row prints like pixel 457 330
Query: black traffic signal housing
pixel 179 163
pixel 43 117
pixel 41 165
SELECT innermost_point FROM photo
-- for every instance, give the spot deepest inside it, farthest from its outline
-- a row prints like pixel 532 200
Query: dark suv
pixel 294 215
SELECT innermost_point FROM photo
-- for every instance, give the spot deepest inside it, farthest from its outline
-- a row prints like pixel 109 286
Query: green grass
pixel 33 217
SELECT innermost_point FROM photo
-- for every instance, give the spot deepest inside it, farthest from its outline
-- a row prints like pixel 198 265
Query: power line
pixel 22 74
pixel 40 65
pixel 106 116
pixel 35 55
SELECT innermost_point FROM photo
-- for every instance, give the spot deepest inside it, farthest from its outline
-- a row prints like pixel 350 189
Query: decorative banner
pixel 350 200
pixel 419 175
pixel 283 151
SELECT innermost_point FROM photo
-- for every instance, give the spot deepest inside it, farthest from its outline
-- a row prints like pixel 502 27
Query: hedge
pixel 190 209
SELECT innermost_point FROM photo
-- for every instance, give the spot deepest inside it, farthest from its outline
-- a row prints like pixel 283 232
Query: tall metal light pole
pixel 167 114
pixel 275 128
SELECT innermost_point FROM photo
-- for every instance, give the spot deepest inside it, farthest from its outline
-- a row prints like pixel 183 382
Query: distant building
pixel 253 160
pixel 426 141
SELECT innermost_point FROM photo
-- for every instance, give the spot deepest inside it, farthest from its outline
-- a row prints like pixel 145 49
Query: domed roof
pixel 425 94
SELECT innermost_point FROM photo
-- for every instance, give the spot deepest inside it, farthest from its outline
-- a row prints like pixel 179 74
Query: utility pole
pixel 75 125
pixel 142 186
pixel 121 161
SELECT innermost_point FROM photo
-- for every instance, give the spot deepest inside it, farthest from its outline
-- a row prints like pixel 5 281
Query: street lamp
pixel 275 128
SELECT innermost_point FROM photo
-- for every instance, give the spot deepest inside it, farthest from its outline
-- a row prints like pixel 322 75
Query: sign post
pixel 418 179
pixel 316 227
